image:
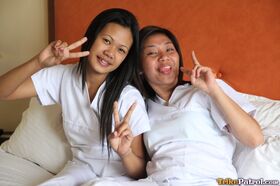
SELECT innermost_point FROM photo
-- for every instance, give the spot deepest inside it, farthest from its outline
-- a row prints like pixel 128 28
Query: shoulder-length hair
pixel 146 32
pixel 119 78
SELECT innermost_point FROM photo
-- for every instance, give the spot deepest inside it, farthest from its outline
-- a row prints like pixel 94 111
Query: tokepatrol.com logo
pixel 249 181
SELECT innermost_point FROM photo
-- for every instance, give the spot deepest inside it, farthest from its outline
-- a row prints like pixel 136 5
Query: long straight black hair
pixel 146 32
pixel 119 78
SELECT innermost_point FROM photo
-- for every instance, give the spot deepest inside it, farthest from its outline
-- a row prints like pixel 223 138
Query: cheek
pixel 146 69
pixel 91 56
pixel 148 65
pixel 92 52
pixel 175 57
pixel 149 71
pixel 96 45
pixel 118 61
pixel 119 58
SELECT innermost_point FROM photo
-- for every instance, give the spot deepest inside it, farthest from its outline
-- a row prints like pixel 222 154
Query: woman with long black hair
pixel 103 116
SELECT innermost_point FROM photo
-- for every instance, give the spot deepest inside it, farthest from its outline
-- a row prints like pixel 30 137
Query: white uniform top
pixel 188 138
pixel 62 84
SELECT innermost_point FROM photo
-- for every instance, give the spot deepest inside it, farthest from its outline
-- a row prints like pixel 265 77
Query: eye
pixel 151 53
pixel 121 50
pixel 170 49
pixel 106 41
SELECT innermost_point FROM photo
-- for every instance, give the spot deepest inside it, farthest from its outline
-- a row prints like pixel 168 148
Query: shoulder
pixel 54 73
pixel 63 67
pixel 67 68
pixel 187 91
pixel 130 90
pixel 59 69
pixel 68 71
pixel 223 84
pixel 182 89
pixel 131 94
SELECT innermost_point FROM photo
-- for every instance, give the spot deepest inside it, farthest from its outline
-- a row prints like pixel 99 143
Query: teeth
pixel 167 67
pixel 103 62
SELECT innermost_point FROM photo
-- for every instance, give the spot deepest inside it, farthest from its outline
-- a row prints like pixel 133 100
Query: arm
pixel 134 160
pixel 243 127
pixel 129 148
pixel 17 83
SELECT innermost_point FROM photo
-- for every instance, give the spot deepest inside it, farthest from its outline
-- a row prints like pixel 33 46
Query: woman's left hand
pixel 121 138
pixel 201 77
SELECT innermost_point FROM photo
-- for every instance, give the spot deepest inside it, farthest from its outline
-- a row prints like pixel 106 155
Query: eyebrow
pixel 166 43
pixel 114 40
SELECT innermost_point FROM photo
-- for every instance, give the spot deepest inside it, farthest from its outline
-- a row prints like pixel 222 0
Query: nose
pixel 163 57
pixel 109 52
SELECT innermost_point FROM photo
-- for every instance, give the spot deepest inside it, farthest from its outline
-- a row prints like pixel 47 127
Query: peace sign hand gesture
pixel 58 51
pixel 201 77
pixel 121 138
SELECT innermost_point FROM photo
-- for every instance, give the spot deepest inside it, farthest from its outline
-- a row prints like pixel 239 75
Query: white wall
pixel 23 33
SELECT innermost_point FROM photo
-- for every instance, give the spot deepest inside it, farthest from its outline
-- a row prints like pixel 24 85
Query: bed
pixel 239 39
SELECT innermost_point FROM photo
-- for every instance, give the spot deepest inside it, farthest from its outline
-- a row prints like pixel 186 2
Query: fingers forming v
pixel 77 43
pixel 194 70
pixel 120 127
pixel 195 61
pixel 129 112
pixel 116 114
pixel 126 132
pixel 57 43
pixel 78 54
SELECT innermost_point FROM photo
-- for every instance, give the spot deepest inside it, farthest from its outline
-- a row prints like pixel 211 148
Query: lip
pixel 167 69
pixel 103 62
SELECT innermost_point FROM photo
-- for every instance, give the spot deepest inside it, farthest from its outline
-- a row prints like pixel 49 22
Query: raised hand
pixel 58 51
pixel 201 77
pixel 121 138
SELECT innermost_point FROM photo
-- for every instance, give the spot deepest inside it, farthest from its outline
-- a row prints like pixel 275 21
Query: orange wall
pixel 240 39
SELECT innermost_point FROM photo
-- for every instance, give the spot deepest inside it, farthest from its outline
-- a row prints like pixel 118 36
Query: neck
pixel 94 81
pixel 164 92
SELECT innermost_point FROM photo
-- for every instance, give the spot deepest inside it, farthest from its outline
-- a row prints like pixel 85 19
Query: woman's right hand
pixel 201 77
pixel 58 51
pixel 121 138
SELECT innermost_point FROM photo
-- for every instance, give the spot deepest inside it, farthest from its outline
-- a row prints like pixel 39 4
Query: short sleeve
pixel 139 121
pixel 47 83
pixel 236 97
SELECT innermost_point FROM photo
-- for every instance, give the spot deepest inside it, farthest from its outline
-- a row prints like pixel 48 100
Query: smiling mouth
pixel 165 69
pixel 103 62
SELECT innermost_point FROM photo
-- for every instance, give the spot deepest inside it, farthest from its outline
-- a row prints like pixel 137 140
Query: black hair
pixel 119 78
pixel 146 32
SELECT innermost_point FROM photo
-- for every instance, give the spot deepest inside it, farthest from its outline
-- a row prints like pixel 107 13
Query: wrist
pixel 215 92
pixel 37 63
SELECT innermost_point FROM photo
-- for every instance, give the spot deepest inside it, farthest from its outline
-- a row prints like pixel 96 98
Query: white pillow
pixel 40 137
pixel 268 111
pixel 263 161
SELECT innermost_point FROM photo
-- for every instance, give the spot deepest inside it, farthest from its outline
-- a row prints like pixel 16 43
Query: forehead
pixel 119 33
pixel 157 39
